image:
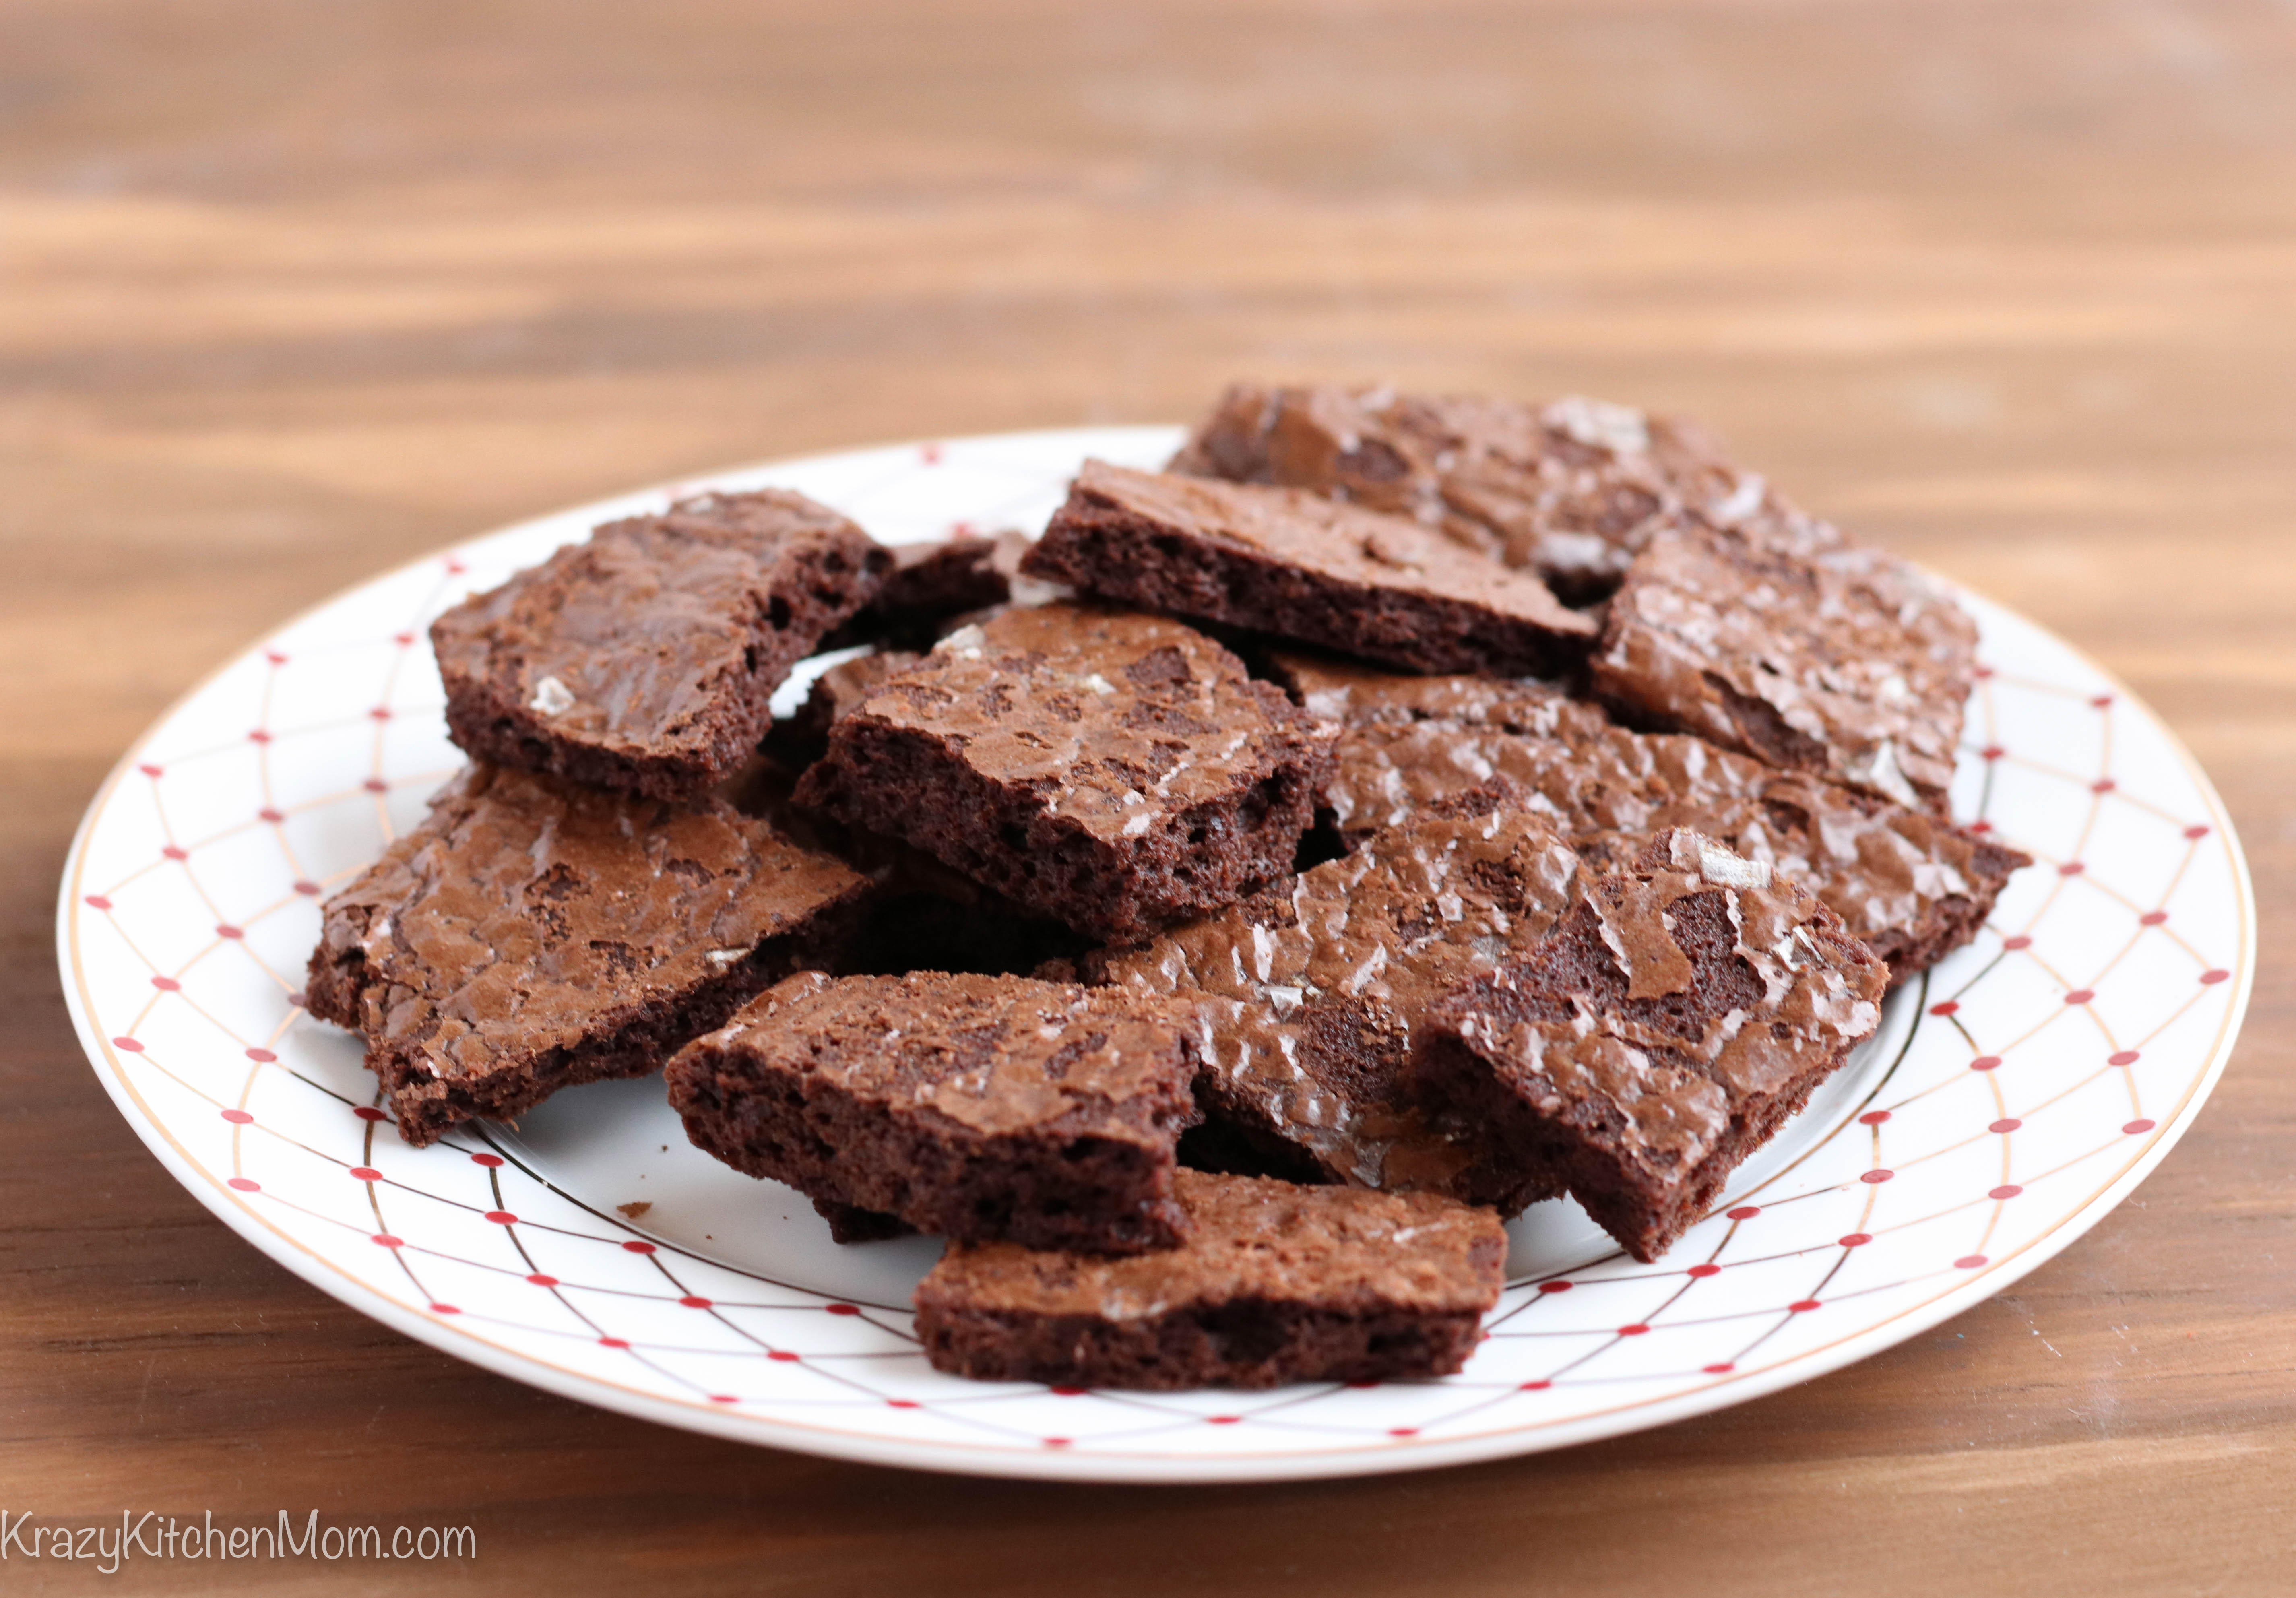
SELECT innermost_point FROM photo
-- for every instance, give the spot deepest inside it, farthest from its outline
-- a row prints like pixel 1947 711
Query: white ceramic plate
pixel 2015 1095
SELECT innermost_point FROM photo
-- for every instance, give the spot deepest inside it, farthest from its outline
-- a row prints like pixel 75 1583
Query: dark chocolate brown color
pixel 1275 1284
pixel 930 583
pixel 1307 994
pixel 1117 773
pixel 1296 565
pixel 1912 885
pixel 1660 1033
pixel 1842 662
pixel 532 934
pixel 643 658
pixel 1572 489
pixel 977 1107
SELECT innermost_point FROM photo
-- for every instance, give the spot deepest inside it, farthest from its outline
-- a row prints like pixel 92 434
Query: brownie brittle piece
pixel 1570 489
pixel 1912 885
pixel 977 1107
pixel 1275 1284
pixel 1307 994
pixel 1115 772
pixel 531 934
pixel 1299 566
pixel 932 583
pixel 643 658
pixel 1658 1034
pixel 1842 662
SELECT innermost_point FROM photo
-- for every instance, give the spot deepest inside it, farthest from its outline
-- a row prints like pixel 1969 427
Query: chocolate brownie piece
pixel 1114 772
pixel 1572 489
pixel 849 1224
pixel 532 933
pixel 977 1107
pixel 643 658
pixel 1658 1034
pixel 1285 561
pixel 930 583
pixel 1308 993
pixel 1845 663
pixel 797 741
pixel 1910 884
pixel 1275 1284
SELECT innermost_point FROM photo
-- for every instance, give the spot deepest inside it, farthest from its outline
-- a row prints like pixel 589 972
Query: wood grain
pixel 289 292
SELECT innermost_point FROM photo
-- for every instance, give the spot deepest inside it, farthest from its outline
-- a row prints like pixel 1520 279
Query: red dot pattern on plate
pixel 2006 1191
pixel 438 1251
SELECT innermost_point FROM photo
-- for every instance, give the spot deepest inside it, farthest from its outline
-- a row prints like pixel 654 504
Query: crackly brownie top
pixel 1253 1238
pixel 1307 990
pixel 1674 992
pixel 635 636
pixel 1324 538
pixel 1416 741
pixel 999 1054
pixel 1849 662
pixel 524 909
pixel 1331 688
pixel 1117 722
pixel 1573 488
pixel 847 685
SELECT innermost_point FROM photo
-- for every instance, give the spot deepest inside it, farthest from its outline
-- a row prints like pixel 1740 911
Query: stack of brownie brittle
pixel 1216 917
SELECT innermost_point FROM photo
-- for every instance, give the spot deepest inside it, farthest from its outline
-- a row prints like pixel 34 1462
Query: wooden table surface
pixel 290 292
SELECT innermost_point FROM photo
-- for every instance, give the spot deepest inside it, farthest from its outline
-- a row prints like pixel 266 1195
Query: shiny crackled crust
pixel 1658 1034
pixel 1306 995
pixel 1276 1284
pixel 531 934
pixel 1115 772
pixel 1912 885
pixel 1845 663
pixel 643 658
pixel 1572 489
pixel 977 1107
pixel 1296 565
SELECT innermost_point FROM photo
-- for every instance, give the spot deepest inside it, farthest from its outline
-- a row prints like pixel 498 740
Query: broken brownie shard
pixel 1275 1284
pixel 1294 564
pixel 1308 993
pixel 976 1106
pixel 1909 883
pixel 1570 489
pixel 1845 663
pixel 932 583
pixel 1115 772
pixel 643 658
pixel 1658 1034
pixel 531 934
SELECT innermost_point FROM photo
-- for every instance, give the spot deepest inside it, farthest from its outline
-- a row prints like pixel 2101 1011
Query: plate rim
pixel 1026 1463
